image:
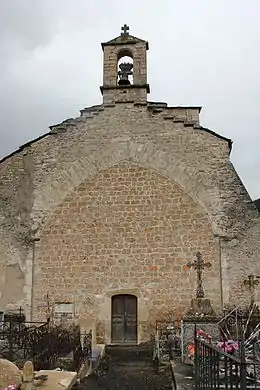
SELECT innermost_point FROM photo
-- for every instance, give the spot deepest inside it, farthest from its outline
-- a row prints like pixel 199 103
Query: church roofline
pixel 185 107
pixel 125 39
pixel 23 146
pixel 124 42
pixel 29 143
pixel 162 104
pixel 228 140
pixel 165 105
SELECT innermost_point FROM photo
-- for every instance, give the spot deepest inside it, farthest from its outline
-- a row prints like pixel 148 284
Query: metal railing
pixel 215 369
pixel 166 347
pixel 43 343
pixel 20 340
pixel 167 341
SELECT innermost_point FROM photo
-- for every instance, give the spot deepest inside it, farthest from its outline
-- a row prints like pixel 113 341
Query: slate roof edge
pixel 32 141
pixel 165 105
pixel 23 146
pixel 228 140
pixel 124 41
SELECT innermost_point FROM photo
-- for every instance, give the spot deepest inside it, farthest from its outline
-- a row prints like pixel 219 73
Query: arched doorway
pixel 124 319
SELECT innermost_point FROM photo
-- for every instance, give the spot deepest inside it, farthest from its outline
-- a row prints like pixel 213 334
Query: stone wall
pixel 166 142
pixel 125 94
pixel 113 53
pixel 125 228
pixel 242 254
pixel 16 199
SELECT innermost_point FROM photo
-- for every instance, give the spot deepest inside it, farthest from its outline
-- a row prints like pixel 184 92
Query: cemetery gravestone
pixel 9 374
pixel 28 374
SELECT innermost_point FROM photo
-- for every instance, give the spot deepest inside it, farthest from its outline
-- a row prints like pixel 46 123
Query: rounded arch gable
pixel 71 175
pixel 124 53
pixel 124 291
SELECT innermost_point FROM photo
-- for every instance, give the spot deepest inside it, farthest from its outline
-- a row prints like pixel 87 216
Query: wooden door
pixel 124 319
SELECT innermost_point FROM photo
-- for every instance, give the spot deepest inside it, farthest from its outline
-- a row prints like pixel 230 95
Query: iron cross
pixel 199 266
pixel 251 282
pixel 125 30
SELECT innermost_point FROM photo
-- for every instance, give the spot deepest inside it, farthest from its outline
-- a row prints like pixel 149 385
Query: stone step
pixel 136 365
pixel 127 367
pixel 129 353
pixel 125 379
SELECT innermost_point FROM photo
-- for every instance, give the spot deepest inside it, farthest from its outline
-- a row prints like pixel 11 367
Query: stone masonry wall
pixel 16 199
pixel 243 258
pixel 169 141
pixel 125 228
pixel 113 53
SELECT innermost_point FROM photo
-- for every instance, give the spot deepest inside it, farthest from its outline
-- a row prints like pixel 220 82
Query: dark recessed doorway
pixel 124 319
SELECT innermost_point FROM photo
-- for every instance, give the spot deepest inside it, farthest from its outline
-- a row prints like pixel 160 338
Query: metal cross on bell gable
pixel 125 30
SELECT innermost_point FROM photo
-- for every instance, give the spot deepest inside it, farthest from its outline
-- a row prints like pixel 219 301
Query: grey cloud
pixel 201 53
pixel 25 24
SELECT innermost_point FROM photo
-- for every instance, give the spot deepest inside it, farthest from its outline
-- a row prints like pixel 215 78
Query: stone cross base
pixel 200 307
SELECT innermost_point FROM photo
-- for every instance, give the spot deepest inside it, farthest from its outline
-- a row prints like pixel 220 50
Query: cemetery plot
pixel 47 345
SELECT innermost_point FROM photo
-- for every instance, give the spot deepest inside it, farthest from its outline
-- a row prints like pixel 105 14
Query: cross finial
pixel 251 282
pixel 199 265
pixel 125 30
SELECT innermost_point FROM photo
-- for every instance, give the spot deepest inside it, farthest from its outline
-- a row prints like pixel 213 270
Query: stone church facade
pixel 100 216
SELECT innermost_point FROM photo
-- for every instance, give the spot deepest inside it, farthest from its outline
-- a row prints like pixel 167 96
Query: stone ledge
pixel 124 101
pixel 190 124
pixel 131 86
pixel 92 109
pixel 57 380
pixel 151 105
pixel 178 120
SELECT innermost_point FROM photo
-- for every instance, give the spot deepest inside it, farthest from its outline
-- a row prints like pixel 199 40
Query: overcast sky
pixel 202 52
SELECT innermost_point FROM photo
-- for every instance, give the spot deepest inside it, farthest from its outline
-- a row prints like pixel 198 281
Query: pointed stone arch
pixel 69 176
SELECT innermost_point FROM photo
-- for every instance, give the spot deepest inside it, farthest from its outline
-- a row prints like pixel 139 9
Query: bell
pixel 124 81
pixel 125 71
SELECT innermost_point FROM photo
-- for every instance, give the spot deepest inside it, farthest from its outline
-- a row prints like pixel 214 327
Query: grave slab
pixel 57 380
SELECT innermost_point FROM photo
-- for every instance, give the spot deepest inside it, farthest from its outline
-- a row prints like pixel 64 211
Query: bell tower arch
pixel 125 69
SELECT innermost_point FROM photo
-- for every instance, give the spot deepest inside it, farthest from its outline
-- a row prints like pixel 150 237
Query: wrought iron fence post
pixel 242 366
pixel 10 350
pixel 196 360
